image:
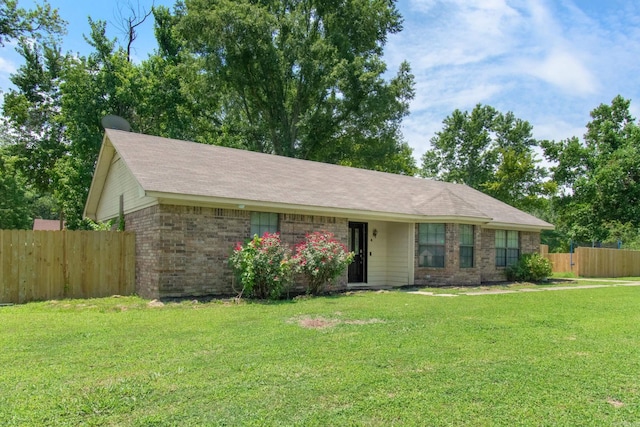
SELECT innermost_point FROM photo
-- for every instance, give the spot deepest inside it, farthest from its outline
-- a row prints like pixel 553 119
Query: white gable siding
pixel 120 181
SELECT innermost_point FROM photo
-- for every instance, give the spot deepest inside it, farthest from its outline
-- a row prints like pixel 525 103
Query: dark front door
pixel 358 245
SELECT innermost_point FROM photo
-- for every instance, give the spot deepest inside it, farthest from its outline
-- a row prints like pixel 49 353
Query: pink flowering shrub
pixel 321 258
pixel 263 266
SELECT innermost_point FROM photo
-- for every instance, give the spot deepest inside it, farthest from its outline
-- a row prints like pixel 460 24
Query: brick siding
pixel 293 229
pixel 529 243
pixel 488 271
pixel 484 264
pixel 182 251
pixel 145 225
pixel 451 273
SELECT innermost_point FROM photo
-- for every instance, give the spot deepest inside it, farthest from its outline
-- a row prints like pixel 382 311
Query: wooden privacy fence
pixel 44 265
pixel 597 262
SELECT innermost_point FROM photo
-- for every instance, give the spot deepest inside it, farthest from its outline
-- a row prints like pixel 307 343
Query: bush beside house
pixel 264 267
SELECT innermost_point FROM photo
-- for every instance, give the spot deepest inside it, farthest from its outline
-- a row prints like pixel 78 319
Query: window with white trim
pixel 263 222
pixel 507 247
pixel 466 245
pixel 431 240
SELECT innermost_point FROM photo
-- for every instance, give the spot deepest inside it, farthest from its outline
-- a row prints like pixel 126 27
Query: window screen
pixel 466 246
pixel 431 241
pixel 262 222
pixel 507 247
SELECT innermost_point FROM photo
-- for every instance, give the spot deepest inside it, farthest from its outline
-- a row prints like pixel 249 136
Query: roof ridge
pixel 266 155
pixel 177 170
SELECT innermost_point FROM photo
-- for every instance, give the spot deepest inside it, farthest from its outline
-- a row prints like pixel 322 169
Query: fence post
pixel 571 255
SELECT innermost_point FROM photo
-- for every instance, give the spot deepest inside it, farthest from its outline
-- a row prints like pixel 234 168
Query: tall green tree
pixel 32 109
pixel 293 78
pixel 491 152
pixel 599 177
pixel 17 22
pixel 103 82
pixel 55 110
pixel 30 140
pixel 170 103
pixel 15 203
pixel 302 78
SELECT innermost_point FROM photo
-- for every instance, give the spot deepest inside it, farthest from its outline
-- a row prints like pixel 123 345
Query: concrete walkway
pixel 614 283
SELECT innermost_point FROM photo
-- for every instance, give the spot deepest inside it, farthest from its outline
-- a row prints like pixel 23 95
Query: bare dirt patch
pixel 155 303
pixel 615 403
pixel 320 322
pixel 363 322
pixel 317 323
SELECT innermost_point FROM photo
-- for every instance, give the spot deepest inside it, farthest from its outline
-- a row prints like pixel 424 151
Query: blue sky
pixel 550 62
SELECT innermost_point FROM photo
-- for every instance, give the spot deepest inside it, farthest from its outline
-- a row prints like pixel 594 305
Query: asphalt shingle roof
pixel 186 168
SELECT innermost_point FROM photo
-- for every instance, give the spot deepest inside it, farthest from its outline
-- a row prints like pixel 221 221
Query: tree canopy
pixel 299 78
pixel 293 78
pixel 303 78
pixel 16 22
pixel 599 177
pixel 491 152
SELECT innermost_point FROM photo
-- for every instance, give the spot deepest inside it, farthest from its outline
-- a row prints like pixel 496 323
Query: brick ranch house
pixel 189 204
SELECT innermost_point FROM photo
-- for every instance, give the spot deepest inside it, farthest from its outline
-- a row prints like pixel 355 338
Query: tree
pixel 302 78
pixel 16 22
pixel 491 152
pixel 311 86
pixel 169 103
pixel 599 177
pixel 33 110
pixel 104 82
pixel 128 22
pixel 55 110
pixel 15 212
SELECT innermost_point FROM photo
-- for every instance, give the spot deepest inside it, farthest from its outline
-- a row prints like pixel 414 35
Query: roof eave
pixel 107 151
pixel 258 205
pixel 520 227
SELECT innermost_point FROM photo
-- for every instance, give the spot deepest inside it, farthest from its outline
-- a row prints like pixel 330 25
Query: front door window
pixel 357 245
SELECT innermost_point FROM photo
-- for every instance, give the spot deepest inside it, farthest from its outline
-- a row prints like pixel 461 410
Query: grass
pixel 554 281
pixel 568 275
pixel 563 275
pixel 370 359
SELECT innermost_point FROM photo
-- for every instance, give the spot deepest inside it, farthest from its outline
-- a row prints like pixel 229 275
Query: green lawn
pixel 553 282
pixel 538 358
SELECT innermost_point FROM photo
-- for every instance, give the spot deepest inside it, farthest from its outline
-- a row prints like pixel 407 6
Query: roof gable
pixel 174 169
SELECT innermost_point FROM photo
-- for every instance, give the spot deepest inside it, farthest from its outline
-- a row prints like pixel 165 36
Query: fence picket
pixel 597 262
pixel 41 265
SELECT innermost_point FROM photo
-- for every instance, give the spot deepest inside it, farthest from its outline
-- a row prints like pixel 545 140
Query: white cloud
pixel 458 32
pixel 553 128
pixel 7 66
pixel 549 62
pixel 564 70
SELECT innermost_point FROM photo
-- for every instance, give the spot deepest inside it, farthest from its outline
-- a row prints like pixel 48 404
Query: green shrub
pixel 529 268
pixel 262 266
pixel 321 258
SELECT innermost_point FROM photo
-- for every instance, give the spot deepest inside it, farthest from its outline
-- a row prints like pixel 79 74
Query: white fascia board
pixel 261 206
